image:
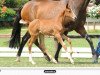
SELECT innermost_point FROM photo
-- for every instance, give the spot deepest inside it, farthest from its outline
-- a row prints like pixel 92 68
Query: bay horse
pixel 52 27
pixel 79 8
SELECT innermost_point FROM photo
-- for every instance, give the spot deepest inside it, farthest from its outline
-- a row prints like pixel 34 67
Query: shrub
pixel 93 12
pixel 8 15
pixel 13 3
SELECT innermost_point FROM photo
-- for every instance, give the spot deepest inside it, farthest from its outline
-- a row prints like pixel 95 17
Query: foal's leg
pixel 59 46
pixel 30 42
pixel 59 38
pixel 24 41
pixel 42 44
pixel 69 41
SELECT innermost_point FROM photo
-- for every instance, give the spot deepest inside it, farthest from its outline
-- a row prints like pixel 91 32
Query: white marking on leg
pixel 22 21
pixel 18 59
pixel 69 57
pixel 30 59
pixel 54 61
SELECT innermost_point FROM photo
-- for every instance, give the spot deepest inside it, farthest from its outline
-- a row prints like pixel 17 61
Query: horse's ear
pixel 67 6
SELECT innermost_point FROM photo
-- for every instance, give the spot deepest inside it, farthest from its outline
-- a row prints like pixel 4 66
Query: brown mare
pixel 45 13
pixel 79 8
pixel 52 27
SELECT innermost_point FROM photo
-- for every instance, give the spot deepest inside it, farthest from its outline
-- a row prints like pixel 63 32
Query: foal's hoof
pixel 17 60
pixel 72 62
pixel 47 58
pixel 32 62
pixel 54 61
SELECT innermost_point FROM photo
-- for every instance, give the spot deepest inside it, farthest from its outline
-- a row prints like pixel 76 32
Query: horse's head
pixel 69 14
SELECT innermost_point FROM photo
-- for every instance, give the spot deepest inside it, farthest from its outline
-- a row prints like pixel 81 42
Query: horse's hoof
pixel 95 59
pixel 95 62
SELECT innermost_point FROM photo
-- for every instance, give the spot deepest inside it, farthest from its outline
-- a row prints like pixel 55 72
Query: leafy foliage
pixel 7 16
pixel 13 3
pixel 93 12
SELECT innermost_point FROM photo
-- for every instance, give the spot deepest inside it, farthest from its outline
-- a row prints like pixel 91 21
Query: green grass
pixel 4 30
pixel 41 62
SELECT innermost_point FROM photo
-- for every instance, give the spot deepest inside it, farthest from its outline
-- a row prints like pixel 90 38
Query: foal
pixel 52 27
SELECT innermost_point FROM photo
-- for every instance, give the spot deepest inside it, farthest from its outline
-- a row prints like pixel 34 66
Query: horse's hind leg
pixel 42 44
pixel 23 42
pixel 59 38
pixel 30 42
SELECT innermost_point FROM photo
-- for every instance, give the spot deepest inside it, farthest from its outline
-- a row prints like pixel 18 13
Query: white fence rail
pixel 94 25
pixel 78 52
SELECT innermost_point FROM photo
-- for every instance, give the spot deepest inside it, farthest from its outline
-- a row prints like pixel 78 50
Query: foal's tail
pixel 15 36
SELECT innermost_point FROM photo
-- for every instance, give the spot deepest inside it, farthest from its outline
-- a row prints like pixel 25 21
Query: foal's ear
pixel 67 6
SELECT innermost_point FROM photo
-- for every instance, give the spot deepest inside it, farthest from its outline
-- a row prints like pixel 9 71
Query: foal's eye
pixel 69 11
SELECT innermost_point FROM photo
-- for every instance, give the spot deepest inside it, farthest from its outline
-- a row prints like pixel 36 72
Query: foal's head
pixel 69 14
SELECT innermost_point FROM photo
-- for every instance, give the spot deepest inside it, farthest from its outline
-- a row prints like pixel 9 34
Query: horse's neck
pixel 78 5
pixel 82 10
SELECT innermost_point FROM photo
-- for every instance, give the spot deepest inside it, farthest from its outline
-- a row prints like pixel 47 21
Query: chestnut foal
pixel 51 27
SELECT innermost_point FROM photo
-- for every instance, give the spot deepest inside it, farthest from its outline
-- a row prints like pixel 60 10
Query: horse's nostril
pixel 75 18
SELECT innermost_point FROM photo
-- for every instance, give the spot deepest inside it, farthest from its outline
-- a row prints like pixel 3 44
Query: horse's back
pixel 42 9
pixel 51 9
pixel 28 8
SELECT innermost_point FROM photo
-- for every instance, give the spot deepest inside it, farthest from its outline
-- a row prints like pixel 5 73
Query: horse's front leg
pixel 94 55
pixel 81 30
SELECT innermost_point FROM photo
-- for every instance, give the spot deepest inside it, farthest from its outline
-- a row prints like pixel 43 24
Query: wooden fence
pixel 36 52
pixel 81 52
pixel 94 22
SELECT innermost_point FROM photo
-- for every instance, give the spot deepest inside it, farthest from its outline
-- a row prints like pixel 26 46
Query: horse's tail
pixel 15 36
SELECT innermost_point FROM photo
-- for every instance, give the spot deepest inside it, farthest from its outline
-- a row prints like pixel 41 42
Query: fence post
pixel 87 26
pixel 94 23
